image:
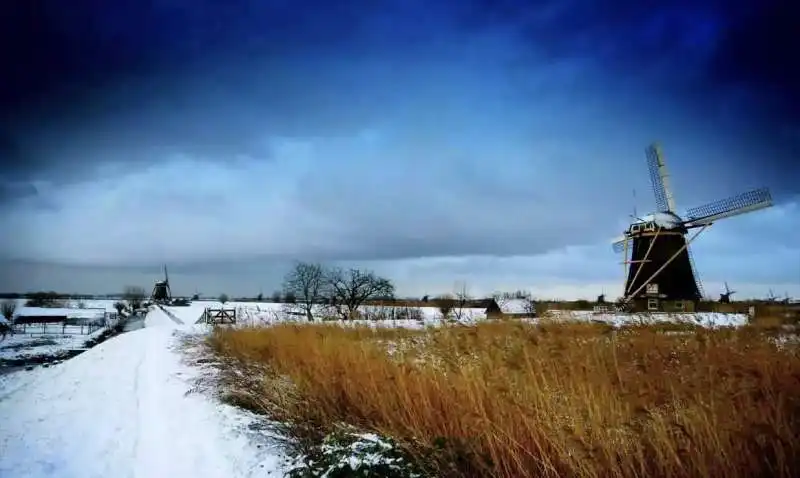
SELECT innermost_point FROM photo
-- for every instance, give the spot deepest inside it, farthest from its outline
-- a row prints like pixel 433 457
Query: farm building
pixel 42 316
pixel 504 308
pixel 516 308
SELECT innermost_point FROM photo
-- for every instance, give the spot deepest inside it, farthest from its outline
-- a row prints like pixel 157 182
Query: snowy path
pixel 121 410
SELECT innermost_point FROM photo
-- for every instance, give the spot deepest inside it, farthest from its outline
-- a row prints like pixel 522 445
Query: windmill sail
pixel 732 206
pixel 619 244
pixel 659 178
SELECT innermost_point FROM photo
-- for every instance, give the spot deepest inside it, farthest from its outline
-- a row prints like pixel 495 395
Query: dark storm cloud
pixel 71 66
pixel 70 63
pixel 50 45
pixel 720 58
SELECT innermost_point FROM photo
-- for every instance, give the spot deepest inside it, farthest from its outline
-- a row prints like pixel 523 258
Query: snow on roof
pixel 514 306
pixel 58 312
pixel 663 219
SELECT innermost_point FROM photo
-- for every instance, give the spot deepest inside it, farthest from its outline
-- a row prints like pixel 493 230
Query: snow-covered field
pixel 265 313
pixel 702 319
pixel 122 409
pixel 21 346
pixel 57 339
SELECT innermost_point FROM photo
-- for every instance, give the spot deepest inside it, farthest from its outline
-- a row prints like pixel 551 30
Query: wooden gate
pixel 220 316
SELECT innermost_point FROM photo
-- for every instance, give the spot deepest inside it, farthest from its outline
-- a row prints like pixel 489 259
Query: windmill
pixel 659 270
pixel 161 291
pixel 725 298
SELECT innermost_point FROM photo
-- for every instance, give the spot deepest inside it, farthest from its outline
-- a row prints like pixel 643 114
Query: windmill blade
pixel 659 178
pixel 695 271
pixel 732 206
pixel 619 243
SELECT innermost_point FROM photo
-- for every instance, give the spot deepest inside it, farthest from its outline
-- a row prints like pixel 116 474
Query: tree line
pixel 342 291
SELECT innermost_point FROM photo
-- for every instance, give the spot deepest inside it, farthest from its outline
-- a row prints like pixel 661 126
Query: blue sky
pixel 498 144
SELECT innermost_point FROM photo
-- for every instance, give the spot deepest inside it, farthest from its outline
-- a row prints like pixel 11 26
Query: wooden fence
pixel 219 316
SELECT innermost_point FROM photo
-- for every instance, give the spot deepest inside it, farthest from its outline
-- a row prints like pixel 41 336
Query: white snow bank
pixel 703 319
pixel 122 409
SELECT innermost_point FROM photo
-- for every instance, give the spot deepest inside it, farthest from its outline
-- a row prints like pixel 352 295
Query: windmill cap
pixel 666 220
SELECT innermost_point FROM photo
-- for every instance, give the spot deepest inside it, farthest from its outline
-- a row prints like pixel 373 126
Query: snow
pixel 85 313
pixel 72 304
pixel 267 313
pixel 122 409
pixel 663 219
pixel 702 319
pixel 515 306
pixel 18 346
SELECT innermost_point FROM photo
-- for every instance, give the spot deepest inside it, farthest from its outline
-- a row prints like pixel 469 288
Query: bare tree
pixel 307 284
pixel 462 299
pixel 530 306
pixel 350 289
pixel 120 306
pixel 276 297
pixel 445 303
pixel 223 298
pixel 7 309
pixel 134 295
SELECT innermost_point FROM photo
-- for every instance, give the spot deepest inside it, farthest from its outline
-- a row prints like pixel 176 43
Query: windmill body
pixel 161 290
pixel 725 297
pixel 659 270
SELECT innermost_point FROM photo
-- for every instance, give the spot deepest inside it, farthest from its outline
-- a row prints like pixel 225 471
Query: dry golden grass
pixel 514 400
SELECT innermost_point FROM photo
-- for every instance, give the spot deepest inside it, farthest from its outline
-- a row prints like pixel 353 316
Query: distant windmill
pixel 660 268
pixel 161 290
pixel 725 297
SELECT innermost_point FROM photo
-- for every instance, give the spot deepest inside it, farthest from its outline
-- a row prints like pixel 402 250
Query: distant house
pixel 516 308
pixel 504 308
pixel 45 315
pixel 40 317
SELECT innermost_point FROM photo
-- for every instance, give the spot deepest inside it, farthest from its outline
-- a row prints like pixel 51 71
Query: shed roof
pixel 514 306
pixel 59 312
